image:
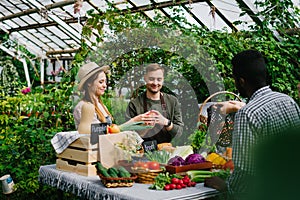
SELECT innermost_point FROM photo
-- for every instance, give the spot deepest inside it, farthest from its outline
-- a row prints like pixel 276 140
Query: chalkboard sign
pixel 150 145
pixel 96 130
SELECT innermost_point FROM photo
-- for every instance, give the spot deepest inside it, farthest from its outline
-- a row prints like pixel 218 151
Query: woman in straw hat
pixel 90 109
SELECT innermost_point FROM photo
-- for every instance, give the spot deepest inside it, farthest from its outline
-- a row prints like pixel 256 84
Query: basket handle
pixel 215 94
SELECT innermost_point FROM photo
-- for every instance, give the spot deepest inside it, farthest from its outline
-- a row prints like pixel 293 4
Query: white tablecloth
pixel 92 188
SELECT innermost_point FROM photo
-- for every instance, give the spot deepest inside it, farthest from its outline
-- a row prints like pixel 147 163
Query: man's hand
pixel 216 183
pixel 227 107
pixel 159 118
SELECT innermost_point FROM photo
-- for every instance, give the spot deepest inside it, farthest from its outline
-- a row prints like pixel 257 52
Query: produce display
pixel 115 177
pixel 149 165
pixel 229 165
pixel 166 170
pixel 114 128
pixel 119 172
pixel 190 159
pixel 131 126
pixel 166 181
pixel 198 176
pixel 162 156
pixel 216 159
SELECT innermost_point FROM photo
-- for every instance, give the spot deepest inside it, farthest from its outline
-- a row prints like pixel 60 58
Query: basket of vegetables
pixel 115 177
pixel 146 171
pixel 147 176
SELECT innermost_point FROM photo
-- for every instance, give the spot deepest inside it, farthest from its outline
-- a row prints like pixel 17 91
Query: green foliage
pixel 9 78
pixel 25 142
pixel 200 141
pixel 13 68
pixel 27 124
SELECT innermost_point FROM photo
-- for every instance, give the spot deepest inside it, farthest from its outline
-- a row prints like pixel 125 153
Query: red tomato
pixel 108 129
pixel 153 165
pixel 141 164
pixel 144 165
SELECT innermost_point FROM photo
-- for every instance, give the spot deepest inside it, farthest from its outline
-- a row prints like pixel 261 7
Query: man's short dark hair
pixel 250 65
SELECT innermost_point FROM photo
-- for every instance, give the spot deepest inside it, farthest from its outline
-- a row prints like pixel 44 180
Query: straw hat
pixel 87 71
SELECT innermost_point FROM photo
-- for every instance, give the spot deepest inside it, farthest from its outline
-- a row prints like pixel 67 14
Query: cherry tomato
pixel 183 185
pixel 153 165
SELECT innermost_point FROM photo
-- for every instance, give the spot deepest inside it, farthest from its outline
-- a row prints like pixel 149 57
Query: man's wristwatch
pixel 169 123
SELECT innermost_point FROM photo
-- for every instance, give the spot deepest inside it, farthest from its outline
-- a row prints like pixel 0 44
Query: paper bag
pixel 109 150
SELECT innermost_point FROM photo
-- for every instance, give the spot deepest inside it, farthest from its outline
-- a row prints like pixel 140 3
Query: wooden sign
pixel 96 130
pixel 150 145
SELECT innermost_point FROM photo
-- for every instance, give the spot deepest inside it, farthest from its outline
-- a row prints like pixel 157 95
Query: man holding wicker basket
pixel 266 114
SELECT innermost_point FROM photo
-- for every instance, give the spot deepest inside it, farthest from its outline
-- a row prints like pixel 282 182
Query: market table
pixel 90 187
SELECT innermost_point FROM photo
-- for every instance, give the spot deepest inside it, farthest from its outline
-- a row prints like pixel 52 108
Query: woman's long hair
pixel 87 98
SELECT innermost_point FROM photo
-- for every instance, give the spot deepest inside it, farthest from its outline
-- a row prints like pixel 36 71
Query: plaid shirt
pixel 267 113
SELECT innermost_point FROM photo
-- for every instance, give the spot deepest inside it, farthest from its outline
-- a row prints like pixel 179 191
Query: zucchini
pixel 113 172
pixel 100 166
pixel 104 172
pixel 123 172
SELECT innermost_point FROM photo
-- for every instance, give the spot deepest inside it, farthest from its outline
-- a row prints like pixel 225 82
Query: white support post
pixel 42 71
pixel 26 72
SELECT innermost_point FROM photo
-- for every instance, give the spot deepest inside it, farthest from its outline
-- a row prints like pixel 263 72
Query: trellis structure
pixel 51 29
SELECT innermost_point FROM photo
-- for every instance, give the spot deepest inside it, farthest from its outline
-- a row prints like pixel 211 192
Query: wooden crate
pixel 80 157
pixel 199 166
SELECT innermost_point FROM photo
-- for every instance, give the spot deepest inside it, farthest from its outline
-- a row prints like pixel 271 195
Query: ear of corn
pixel 216 159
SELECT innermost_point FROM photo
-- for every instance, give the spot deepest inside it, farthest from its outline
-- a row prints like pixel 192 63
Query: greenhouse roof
pixel 51 28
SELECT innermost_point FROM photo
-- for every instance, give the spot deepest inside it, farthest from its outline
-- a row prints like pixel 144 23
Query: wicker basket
pixel 223 128
pixel 202 118
pixel 110 182
pixel 146 176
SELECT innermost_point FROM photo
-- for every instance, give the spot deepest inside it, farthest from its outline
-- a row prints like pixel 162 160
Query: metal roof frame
pixel 53 30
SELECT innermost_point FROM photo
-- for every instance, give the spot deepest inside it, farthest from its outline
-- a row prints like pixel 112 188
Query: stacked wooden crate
pixel 80 157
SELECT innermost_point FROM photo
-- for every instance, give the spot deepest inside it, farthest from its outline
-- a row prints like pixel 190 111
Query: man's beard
pixel 153 92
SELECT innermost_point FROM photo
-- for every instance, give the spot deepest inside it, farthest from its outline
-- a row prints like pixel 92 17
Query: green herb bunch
pixel 200 140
